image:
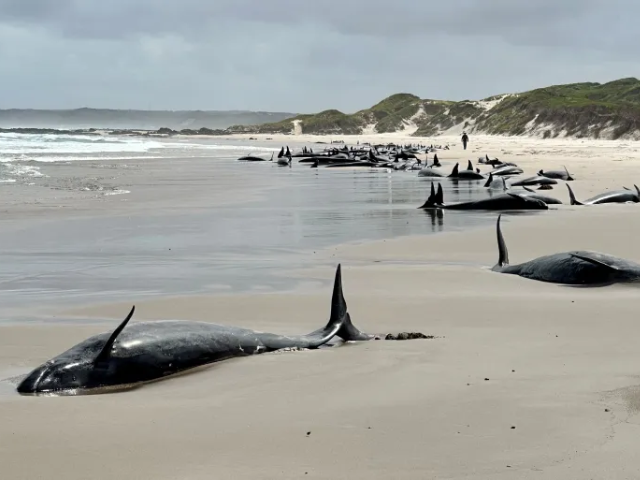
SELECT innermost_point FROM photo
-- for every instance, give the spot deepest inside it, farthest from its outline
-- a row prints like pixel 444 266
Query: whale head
pixel 59 375
pixel 87 365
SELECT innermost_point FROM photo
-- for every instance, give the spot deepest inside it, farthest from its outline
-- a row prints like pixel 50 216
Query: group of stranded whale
pixel 132 355
pixel 386 156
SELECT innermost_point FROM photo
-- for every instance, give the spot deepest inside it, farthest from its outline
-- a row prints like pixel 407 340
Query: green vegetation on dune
pixel 390 114
pixel 447 116
pixel 330 122
pixel 579 109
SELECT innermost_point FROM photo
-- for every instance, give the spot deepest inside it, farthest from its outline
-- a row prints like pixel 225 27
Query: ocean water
pixel 227 249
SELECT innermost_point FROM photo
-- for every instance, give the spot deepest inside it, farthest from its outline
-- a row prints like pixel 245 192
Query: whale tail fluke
pixel 436 199
pixel 431 200
pixel 503 253
pixel 440 195
pixel 572 197
pixel 339 321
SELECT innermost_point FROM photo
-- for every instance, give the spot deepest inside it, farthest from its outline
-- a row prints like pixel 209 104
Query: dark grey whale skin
pixel 148 351
pixel 579 267
pixel 507 201
pixel 464 174
pixel 616 196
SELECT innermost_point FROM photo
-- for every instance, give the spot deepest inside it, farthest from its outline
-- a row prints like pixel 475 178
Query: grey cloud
pixel 302 55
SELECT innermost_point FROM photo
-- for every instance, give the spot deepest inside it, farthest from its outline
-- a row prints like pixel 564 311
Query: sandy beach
pixel 524 380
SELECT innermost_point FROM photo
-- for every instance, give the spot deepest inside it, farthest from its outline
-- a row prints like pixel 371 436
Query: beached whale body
pixel 531 181
pixel 253 158
pixel 539 196
pixel 579 267
pixel 465 174
pixel 507 201
pixel 147 351
pixel 557 174
pixel 506 170
pixel 429 172
pixel 617 196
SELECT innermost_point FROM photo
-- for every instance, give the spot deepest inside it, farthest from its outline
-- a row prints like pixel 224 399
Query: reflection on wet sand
pixel 437 218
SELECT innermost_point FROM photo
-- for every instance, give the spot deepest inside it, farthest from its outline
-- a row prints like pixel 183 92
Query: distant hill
pixel 134 119
pixel 581 110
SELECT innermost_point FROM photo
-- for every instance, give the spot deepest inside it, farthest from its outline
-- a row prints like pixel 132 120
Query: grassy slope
pixel 579 109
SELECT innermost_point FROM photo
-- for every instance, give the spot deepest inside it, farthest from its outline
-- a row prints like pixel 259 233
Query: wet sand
pixel 559 364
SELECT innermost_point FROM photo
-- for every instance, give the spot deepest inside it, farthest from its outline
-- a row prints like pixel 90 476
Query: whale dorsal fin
pixel 469 165
pixel 454 172
pixel 595 261
pixel 489 180
pixel 569 177
pixel 503 253
pixel 572 197
pixel 106 350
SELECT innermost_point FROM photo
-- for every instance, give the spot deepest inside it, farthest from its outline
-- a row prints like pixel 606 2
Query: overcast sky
pixel 303 55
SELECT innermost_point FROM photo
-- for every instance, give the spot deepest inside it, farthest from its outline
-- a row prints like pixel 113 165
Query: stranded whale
pixel 617 196
pixel 506 201
pixel 147 351
pixel 579 267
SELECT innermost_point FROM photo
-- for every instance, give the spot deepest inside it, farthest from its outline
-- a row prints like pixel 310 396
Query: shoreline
pixel 524 379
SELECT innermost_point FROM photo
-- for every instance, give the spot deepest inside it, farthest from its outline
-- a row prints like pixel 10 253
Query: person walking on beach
pixel 465 140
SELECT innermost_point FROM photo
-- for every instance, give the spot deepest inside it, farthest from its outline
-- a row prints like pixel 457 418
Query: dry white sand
pixel 527 380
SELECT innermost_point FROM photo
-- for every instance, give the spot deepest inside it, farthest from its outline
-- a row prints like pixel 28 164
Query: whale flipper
pixel 527 189
pixel 572 197
pixel 503 253
pixel 106 349
pixel 595 261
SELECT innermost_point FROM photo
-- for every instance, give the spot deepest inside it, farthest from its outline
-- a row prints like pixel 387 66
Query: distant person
pixel 465 140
